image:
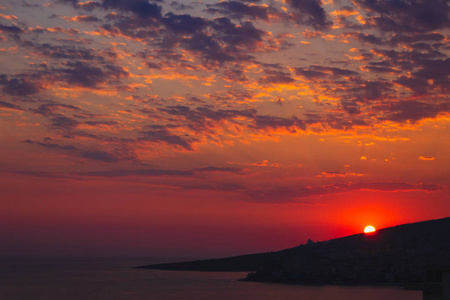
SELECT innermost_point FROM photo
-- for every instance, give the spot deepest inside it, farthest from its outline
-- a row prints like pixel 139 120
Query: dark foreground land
pixel 400 255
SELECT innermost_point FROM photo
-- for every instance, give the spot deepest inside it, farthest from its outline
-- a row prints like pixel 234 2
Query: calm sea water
pixel 116 280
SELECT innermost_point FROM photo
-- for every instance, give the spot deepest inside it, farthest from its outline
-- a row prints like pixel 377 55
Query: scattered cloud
pixel 310 12
pixel 52 108
pixel 422 157
pixel 328 174
pixel 406 15
pixel 10 106
pixel 239 10
pixel 124 83
pixel 284 195
pixel 20 86
pixel 85 75
pixel 264 163
pixel 167 137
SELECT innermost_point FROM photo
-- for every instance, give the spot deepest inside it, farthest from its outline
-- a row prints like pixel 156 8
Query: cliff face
pixel 396 255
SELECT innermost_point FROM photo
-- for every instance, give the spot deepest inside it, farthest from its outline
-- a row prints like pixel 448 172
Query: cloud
pixel 184 24
pixel 218 169
pixel 83 18
pixel 239 10
pixel 245 34
pixel 310 12
pixel 12 106
pixel 371 90
pixel 235 75
pixel 215 42
pixel 297 194
pixel 11 29
pixel 51 108
pixel 20 86
pixel 420 67
pixel 74 3
pixel 51 145
pixel 63 122
pixel 399 76
pixel 99 156
pixel 86 75
pixel 422 157
pixel 209 49
pixel 70 52
pixel 146 172
pixel 438 70
pixel 328 174
pixel 181 6
pixel 101 123
pixel 159 172
pixel 94 155
pixel 77 66
pixel 165 136
pixel 366 38
pixel 316 71
pixel 264 163
pixel 141 8
pixel 205 118
pixel 407 15
pixel 414 110
pixel 181 179
pixel 384 66
pixel 403 38
pixel 276 77
pixel 272 122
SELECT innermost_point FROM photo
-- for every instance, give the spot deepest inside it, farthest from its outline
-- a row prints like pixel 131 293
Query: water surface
pixel 116 280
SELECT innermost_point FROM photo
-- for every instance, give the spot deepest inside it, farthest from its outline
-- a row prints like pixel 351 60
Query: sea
pixel 116 279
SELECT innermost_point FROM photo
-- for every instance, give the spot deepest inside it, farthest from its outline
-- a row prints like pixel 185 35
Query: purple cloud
pixel 310 12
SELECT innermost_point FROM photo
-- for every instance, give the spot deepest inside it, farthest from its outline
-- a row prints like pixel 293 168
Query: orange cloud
pixel 426 157
pixel 344 12
pixel 329 174
pixel 264 163
pixel 8 17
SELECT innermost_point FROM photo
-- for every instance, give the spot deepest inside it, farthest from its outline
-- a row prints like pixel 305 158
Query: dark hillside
pixel 395 255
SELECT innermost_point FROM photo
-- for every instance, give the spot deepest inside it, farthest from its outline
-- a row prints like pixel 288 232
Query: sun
pixel 369 229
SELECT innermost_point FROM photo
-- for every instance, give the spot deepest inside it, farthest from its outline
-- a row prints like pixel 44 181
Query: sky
pixel 214 128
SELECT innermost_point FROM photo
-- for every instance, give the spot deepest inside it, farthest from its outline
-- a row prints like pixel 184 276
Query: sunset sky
pixel 214 128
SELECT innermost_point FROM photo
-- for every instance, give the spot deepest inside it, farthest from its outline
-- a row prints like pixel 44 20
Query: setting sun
pixel 369 229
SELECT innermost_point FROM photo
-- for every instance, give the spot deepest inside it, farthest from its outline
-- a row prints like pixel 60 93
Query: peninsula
pixel 400 255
